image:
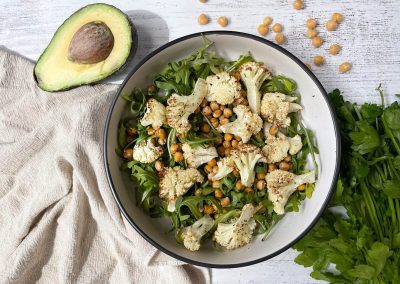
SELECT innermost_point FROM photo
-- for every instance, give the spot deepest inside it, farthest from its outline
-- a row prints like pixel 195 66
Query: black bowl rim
pixel 273 45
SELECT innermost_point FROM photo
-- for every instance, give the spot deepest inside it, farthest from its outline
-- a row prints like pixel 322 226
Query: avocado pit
pixel 92 43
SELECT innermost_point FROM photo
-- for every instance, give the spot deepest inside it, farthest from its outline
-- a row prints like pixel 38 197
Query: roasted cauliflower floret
pixel 180 107
pixel 176 182
pixel 225 167
pixel 155 114
pixel 276 148
pixel 239 232
pixel 281 184
pixel 295 144
pixel 253 75
pixel 222 88
pixel 192 235
pixel 275 108
pixel 198 155
pixel 245 158
pixel 147 152
pixel 246 124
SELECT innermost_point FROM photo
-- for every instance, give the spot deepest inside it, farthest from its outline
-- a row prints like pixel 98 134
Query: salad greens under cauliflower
pixel 217 147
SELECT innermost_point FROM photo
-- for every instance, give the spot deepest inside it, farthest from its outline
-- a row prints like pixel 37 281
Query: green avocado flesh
pixel 55 71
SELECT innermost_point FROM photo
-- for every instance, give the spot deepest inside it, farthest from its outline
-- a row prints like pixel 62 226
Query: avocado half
pixel 56 70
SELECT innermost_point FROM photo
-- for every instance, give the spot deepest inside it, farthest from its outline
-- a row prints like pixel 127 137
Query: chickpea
pixel 235 173
pixel 174 148
pixel 337 17
pixel 151 88
pixel 228 137
pixel 227 151
pixel 284 166
pixel 207 110
pixel 228 112
pixel 203 19
pixel 205 128
pixel 331 25
pixel 288 158
pixel 204 103
pixel 311 23
pixel 271 167
pixel 208 168
pixel 238 185
pixel 280 38
pixel 202 1
pixel 178 156
pixel 298 5
pixel 227 144
pixel 317 41
pixel 218 193
pixel 216 184
pixel 301 187
pixel 311 33
pixel 214 121
pixel 215 169
pixel 262 29
pixel 235 143
pixel 260 185
pixel 267 21
pixel 128 153
pixel 221 150
pixel 208 209
pixel 210 175
pixel 218 141
pixel 161 141
pixel 318 60
pixel 334 49
pixel 214 106
pixel 212 162
pixel 222 21
pixel 273 130
pixel 225 202
pixel 198 192
pixel 131 131
pixel 160 133
pixel 224 121
pixel 159 165
pixel 217 113
pixel 150 131
pixel 248 190
pixel 344 67
pixel 261 176
pixel 277 28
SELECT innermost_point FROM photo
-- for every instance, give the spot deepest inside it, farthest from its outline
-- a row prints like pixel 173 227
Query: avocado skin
pixel 132 52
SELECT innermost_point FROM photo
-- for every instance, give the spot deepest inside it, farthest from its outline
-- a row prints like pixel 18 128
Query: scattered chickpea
pixel 159 165
pixel 298 5
pixel 225 202
pixel 222 21
pixel 311 33
pixel 235 143
pixel 261 176
pixel 277 28
pixel 227 151
pixel 160 133
pixel 344 67
pixel 301 187
pixel 214 121
pixel 205 128
pixel 337 17
pixel 227 144
pixel 228 137
pixel 178 156
pixel 203 19
pixel 311 23
pixel 212 162
pixel 131 131
pixel 224 121
pixel 216 184
pixel 280 38
pixel 174 148
pixel 260 185
pixel 248 190
pixel 317 41
pixel 271 167
pixel 273 130
pixel 331 25
pixel 238 185
pixel 128 153
pixel 208 168
pixel 236 173
pixel 284 166
pixel 217 113
pixel 228 112
pixel 218 193
pixel 198 192
pixel 203 1
pixel 334 49
pixel 262 29
pixel 218 141
pixel 150 131
pixel 318 60
pixel 267 21
pixel 214 106
pixel 208 209
pixel 151 88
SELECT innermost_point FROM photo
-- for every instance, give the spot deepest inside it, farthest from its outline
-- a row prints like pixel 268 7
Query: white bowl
pixel 317 115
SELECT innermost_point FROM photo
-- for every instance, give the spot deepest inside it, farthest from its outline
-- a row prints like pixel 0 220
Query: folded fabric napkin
pixel 58 220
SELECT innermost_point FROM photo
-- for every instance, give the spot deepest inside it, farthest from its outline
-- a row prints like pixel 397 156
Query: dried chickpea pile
pixel 204 19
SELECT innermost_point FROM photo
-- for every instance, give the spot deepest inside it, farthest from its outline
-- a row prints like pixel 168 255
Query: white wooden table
pixel 369 35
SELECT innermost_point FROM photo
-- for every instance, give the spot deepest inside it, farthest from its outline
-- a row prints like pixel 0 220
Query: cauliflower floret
pixel 238 233
pixel 180 107
pixel 246 124
pixel 176 182
pixel 295 144
pixel 155 114
pixel 198 155
pixel 192 235
pixel 246 157
pixel 253 75
pixel 147 151
pixel 277 147
pixel 275 108
pixel 281 184
pixel 225 167
pixel 223 88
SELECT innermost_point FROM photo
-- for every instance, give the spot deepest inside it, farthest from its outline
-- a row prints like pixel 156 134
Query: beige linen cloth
pixel 58 219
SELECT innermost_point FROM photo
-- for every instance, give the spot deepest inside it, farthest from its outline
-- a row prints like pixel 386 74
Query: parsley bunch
pixel 361 244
